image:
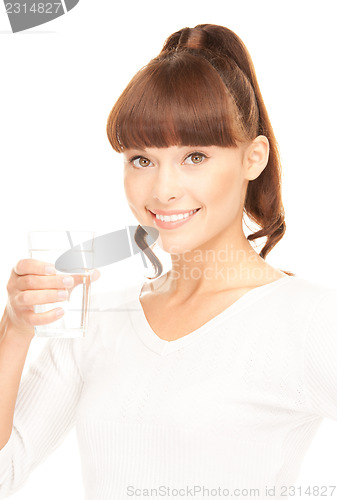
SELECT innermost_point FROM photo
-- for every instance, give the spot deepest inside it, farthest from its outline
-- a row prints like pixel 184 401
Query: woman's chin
pixel 173 248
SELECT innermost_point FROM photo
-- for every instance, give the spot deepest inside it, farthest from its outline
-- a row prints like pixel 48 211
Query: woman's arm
pixel 45 408
pixel 37 412
pixel 14 347
pixel 320 356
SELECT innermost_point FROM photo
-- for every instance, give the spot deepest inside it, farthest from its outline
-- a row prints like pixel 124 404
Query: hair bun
pixel 213 39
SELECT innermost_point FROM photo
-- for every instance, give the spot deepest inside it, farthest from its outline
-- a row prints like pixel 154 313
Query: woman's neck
pixel 197 273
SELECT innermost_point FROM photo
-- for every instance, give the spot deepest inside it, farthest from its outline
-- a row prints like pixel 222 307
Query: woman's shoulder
pixel 306 298
pixel 306 288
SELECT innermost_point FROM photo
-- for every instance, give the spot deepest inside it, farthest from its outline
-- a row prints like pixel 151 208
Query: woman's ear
pixel 256 157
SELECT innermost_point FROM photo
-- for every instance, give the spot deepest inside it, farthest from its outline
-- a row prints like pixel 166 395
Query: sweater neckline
pixel 164 347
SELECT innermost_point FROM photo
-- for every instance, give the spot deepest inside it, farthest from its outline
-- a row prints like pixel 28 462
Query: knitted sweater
pixel 229 408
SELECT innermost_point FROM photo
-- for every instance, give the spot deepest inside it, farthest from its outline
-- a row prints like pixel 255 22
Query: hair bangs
pixel 177 99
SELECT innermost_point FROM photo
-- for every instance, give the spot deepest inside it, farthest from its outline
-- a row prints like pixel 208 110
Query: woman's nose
pixel 167 183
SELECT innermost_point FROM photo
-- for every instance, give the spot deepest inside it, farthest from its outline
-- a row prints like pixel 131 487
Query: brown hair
pixel 202 90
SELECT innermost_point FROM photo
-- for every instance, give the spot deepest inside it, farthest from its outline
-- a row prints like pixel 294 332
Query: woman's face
pixel 183 178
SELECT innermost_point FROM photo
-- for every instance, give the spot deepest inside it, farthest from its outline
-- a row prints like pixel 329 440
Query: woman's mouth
pixel 173 221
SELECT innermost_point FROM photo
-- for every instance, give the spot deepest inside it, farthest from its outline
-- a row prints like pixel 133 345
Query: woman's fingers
pixel 34 282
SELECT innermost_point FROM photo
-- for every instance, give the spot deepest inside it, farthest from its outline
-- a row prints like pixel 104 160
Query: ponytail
pixel 226 51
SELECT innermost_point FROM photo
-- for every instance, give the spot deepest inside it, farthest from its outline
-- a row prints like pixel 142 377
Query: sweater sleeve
pixel 44 411
pixel 320 356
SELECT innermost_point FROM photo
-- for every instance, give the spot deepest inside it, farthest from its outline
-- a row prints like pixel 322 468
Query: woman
pixel 213 378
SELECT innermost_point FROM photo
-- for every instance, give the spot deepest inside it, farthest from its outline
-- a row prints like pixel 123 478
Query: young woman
pixel 209 379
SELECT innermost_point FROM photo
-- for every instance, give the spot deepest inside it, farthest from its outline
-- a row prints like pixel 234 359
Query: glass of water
pixel 72 252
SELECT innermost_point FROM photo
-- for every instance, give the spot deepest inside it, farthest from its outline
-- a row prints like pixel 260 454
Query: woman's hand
pixel 31 284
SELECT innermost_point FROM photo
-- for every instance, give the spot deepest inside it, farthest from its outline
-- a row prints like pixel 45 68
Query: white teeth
pixel 172 218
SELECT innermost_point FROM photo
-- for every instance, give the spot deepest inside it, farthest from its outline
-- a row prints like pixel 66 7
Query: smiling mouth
pixel 172 224
pixel 181 215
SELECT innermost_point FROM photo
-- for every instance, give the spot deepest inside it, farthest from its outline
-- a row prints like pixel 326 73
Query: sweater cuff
pixel 6 454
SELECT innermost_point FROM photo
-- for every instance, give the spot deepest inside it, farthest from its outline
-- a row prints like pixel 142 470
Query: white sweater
pixel 234 404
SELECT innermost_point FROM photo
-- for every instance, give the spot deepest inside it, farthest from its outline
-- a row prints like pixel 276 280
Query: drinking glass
pixel 49 246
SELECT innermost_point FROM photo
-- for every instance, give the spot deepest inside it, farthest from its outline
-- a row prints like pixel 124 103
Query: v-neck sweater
pixel 230 407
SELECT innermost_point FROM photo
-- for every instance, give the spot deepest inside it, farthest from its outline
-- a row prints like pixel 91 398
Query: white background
pixel 58 171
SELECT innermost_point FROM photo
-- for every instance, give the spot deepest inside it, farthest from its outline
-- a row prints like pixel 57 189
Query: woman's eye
pixel 140 161
pixel 195 158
